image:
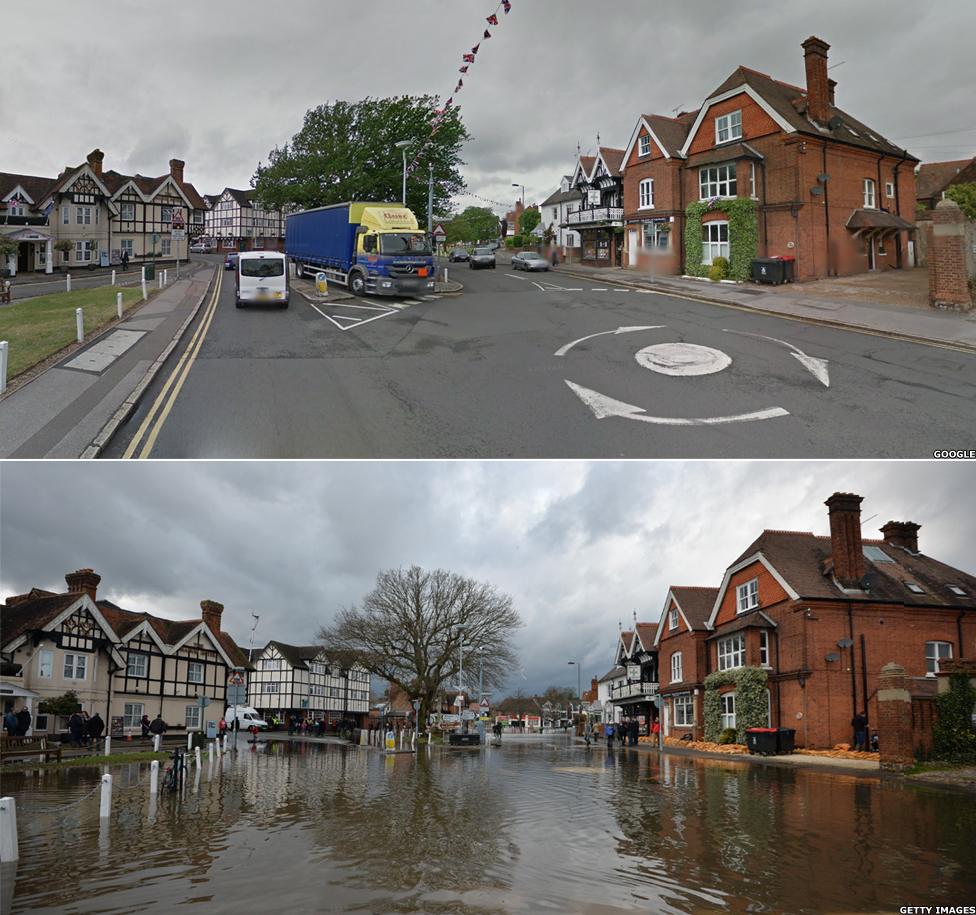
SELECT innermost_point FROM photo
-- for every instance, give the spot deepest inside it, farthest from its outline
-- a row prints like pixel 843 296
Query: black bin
pixel 789 263
pixel 786 740
pixel 761 740
pixel 198 739
pixel 150 270
pixel 769 270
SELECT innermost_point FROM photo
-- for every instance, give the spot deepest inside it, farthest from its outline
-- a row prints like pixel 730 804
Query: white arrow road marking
pixel 603 406
pixel 814 365
pixel 538 286
pixel 620 330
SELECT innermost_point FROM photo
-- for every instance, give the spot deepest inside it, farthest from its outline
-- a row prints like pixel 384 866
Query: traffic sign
pixel 484 704
pixel 236 678
pixel 459 700
pixel 177 219
pixel 178 234
pixel 237 695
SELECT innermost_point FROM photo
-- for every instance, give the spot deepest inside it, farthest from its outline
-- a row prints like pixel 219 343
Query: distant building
pixel 236 222
pixel 933 179
pixel 555 210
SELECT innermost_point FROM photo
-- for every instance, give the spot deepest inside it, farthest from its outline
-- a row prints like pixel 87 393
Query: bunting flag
pixel 467 59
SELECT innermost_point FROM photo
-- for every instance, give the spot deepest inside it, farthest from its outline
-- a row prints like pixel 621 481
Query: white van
pixel 262 278
pixel 246 715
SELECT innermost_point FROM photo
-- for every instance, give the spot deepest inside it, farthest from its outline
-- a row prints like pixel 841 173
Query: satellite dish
pixel 816 190
pixel 833 656
pixel 845 643
pixel 834 123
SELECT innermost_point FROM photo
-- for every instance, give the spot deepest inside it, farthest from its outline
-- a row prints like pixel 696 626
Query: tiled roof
pixel 931 179
pixel 672 132
pixel 724 153
pixel 587 162
pixel 789 102
pixel 803 558
pixel 35 185
pixel 613 158
pixel 243 198
pixel 560 197
pixel 696 604
pixel 877 219
pixel 646 633
pixel 747 621
pixel 30 615
pixel 611 674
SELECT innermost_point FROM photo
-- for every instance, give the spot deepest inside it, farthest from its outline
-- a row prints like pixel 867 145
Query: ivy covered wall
pixel 743 234
pixel 750 701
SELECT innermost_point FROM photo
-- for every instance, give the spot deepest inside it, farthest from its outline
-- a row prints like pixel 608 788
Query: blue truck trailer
pixel 371 248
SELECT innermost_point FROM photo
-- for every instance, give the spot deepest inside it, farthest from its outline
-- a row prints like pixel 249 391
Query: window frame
pixel 166 247
pixel 684 711
pixel 730 650
pixel 676 667
pixel 672 619
pixel 751 595
pixel 166 213
pixel 127 207
pixel 729 126
pixel 645 194
pixel 136 655
pixel 869 190
pixel 936 656
pixel 890 190
pixel 764 648
pixel 50 663
pixel 133 717
pixel 724 177
pixel 196 716
pixel 728 717
pixel 65 215
pixel 71 659
pixel 195 665
pixel 126 244
pixel 266 686
pixel 715 248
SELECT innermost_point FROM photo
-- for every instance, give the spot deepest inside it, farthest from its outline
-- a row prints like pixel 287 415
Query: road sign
pixel 236 678
pixel 459 701
pixel 416 705
pixel 178 234
pixel 203 701
pixel 237 695
pixel 177 219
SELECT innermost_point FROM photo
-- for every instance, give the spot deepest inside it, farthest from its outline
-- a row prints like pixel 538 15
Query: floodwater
pixel 522 828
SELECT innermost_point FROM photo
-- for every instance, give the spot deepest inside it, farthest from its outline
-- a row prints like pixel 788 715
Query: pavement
pixel 793 301
pixel 29 285
pixel 63 410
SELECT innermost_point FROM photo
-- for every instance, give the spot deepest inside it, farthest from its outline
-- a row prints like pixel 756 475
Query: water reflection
pixel 522 828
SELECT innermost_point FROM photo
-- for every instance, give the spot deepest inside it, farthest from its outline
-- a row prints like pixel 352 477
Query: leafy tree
pixel 410 628
pixel 954 737
pixel 530 219
pixel 63 705
pixel 8 247
pixel 473 224
pixel 965 196
pixel 345 151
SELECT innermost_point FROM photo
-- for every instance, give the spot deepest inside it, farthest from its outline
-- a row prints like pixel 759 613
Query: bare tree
pixel 411 626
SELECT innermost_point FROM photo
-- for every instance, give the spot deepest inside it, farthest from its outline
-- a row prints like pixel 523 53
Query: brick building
pixel 933 179
pixel 821 615
pixel 828 190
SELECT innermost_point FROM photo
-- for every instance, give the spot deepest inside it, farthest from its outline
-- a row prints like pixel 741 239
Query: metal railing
pixel 595 214
pixel 633 690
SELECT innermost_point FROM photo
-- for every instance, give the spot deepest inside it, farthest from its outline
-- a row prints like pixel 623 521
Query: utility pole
pixel 430 202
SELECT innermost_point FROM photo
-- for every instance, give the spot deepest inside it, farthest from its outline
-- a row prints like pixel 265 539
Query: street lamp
pixel 575 664
pixel 522 186
pixel 402 145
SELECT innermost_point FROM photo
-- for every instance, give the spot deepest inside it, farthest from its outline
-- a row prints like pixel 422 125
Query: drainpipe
pixel 898 165
pixel 765 215
pixel 864 675
pixel 850 634
pixel 962 650
pixel 779 706
pixel 826 195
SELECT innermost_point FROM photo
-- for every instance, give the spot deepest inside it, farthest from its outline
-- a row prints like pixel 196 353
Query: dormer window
pixel 673 620
pixel 728 127
pixel 914 587
pixel 644 147
pixel 747 596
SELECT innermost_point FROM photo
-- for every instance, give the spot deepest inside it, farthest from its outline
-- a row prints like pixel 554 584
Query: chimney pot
pixel 95 158
pixel 210 614
pixel 176 169
pixel 902 533
pixel 845 538
pixel 83 581
pixel 818 88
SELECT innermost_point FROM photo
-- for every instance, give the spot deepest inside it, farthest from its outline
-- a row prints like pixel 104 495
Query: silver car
pixel 529 260
pixel 482 257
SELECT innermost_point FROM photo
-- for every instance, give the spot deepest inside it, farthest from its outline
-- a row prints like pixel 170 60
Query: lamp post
pixel 402 145
pixel 522 198
pixel 576 664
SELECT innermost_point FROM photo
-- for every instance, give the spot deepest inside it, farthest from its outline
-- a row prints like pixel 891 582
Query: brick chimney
pixel 818 88
pixel 84 581
pixel 845 538
pixel 211 611
pixel 831 86
pixel 95 158
pixel 176 169
pixel 901 533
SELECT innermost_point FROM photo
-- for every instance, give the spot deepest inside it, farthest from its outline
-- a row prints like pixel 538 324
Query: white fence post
pixel 189 740
pixel 159 280
pixel 165 277
pixel 143 274
pixel 9 850
pixel 108 745
pixel 196 754
pixel 118 304
pixel 113 277
pixel 145 294
pixel 210 752
pixel 80 325
pixel 3 365
pixel 154 776
pixel 67 280
pixel 105 807
pixel 157 739
pixel 445 276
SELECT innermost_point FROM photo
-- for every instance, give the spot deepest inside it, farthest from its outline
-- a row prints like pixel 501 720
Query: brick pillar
pixel 947 258
pixel 895 718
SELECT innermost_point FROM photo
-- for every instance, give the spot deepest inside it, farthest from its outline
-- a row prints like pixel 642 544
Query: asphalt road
pixel 478 375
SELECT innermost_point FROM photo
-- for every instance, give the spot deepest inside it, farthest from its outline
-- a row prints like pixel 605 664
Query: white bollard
pixel 224 749
pixel 145 295
pixel 8 830
pixel 196 754
pixel 445 276
pixel 189 740
pixel 113 277
pixel 105 807
pixel 108 745
pixel 165 277
pixel 144 275
pixel 118 304
pixel 67 280
pixel 157 740
pixel 210 752
pixel 80 325
pixel 154 777
pixel 3 365
pixel 159 280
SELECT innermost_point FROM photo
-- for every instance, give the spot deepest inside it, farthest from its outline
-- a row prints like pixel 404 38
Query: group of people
pixel 151 728
pixel 85 729
pixel 626 732
pixel 17 724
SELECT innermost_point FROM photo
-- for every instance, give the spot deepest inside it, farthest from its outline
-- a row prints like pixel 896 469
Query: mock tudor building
pixel 826 189
pixel 598 179
pixel 306 681
pixel 118 662
pixel 101 213
pixel 633 695
pixel 236 222
pixel 820 615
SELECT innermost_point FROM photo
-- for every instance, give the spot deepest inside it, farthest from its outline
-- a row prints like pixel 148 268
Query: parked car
pixel 529 260
pixel 246 715
pixel 482 257
pixel 230 262
pixel 458 254
pixel 201 247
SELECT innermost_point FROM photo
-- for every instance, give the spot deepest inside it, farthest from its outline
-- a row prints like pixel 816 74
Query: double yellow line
pixel 156 417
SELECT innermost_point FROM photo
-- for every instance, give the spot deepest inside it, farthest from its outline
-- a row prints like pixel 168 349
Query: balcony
pixel 641 690
pixel 596 216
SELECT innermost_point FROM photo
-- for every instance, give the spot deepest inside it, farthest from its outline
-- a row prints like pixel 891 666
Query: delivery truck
pixel 371 248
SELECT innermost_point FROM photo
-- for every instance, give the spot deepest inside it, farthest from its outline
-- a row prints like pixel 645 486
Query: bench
pixel 27 746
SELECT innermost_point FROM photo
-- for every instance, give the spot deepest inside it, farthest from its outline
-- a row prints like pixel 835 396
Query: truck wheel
pixel 299 270
pixel 357 283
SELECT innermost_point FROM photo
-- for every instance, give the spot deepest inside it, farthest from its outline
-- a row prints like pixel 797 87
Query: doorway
pixel 632 246
pixel 871 258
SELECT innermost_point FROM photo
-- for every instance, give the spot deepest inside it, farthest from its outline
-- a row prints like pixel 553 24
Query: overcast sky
pixel 220 83
pixel 580 546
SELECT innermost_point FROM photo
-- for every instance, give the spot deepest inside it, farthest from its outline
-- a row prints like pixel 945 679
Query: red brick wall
pixel 946 244
pixel 770 591
pixel 755 122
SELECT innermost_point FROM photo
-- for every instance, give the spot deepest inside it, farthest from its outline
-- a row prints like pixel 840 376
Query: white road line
pixel 324 315
pixel 575 289
pixel 430 298
pixel 816 366
pixel 366 307
pixel 599 289
pixel 645 291
pixel 538 286
pixel 620 290
pixel 620 330
pixel 514 277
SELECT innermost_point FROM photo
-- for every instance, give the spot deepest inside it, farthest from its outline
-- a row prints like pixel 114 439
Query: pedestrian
pixel 95 728
pixel 157 726
pixel 656 731
pixel 76 728
pixel 860 725
pixel 88 740
pixel 622 730
pixel 555 257
pixel 222 727
pixel 125 259
pixel 291 724
pixel 11 724
pixel 23 721
pixel 608 730
pixel 253 729
pixel 634 731
pixel 874 741
pixel 144 721
pixel 587 732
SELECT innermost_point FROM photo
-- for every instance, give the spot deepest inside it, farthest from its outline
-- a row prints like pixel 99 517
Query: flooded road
pixel 523 828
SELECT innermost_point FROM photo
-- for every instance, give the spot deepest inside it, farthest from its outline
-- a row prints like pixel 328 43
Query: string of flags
pixel 467 60
pixel 494 203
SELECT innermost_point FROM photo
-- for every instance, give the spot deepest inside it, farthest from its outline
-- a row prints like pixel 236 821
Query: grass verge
pixel 36 328
pixel 115 758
